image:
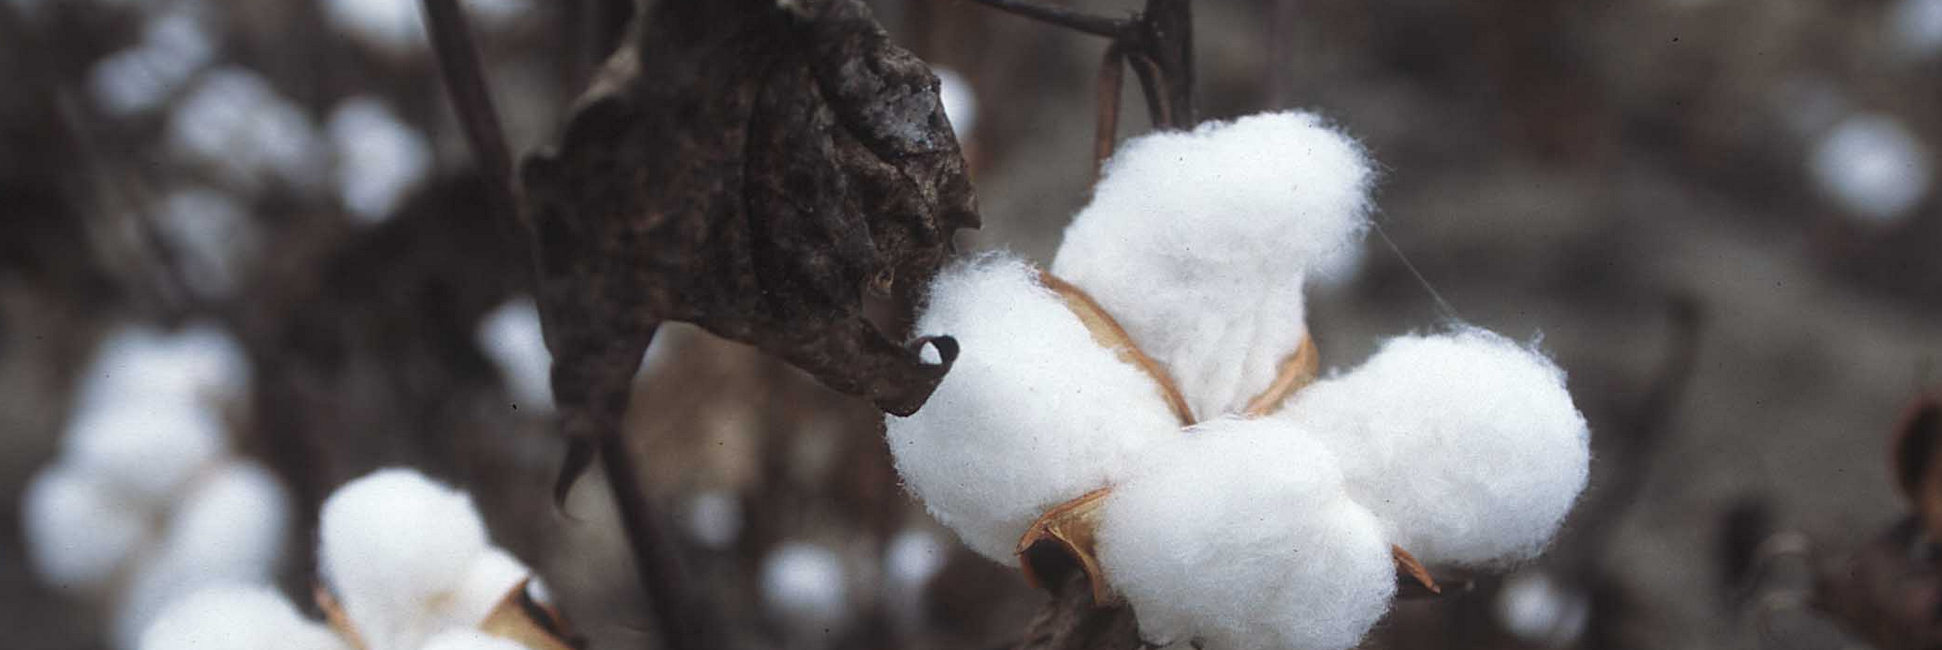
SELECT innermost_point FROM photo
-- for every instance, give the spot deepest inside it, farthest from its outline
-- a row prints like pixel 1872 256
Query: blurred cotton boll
pixel 236 618
pixel 230 528
pixel 1540 611
pixel 235 122
pixel 911 560
pixel 1915 26
pixel 379 158
pixel 173 47
pixel 213 236
pixel 1872 166
pixel 960 103
pixel 714 518
pixel 78 532
pixel 805 588
pixel 511 336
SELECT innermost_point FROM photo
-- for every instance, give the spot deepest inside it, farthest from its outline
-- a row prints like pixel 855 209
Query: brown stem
pixel 661 574
pixel 465 84
pixel 1096 25
pixel 1112 70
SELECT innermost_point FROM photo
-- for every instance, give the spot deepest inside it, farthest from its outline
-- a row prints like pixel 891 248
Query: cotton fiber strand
pixel 236 618
pixel 1465 445
pixel 392 544
pixel 1240 533
pixel 1199 242
pixel 1032 414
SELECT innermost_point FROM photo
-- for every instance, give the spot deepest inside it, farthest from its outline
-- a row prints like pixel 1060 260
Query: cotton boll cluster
pixel 233 121
pixel 1032 414
pixel 237 618
pixel 805 586
pixel 1873 167
pixel 1262 526
pixel 407 566
pixel 1248 519
pixel 408 558
pixel 1466 445
pixel 1199 242
pixel 173 47
pixel 146 502
pixel 511 335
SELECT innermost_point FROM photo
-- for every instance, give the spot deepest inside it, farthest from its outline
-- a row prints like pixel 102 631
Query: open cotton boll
pixel 391 544
pixel 491 577
pixel 804 585
pixel 197 361
pixel 236 618
pixel 77 533
pixel 230 529
pixel 1199 242
pixel 145 448
pixel 1466 445
pixel 1033 413
pixel 470 640
pixel 1241 534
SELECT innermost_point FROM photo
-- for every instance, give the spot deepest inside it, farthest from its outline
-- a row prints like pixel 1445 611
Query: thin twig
pixel 1096 25
pixel 1112 69
pixel 465 84
pixel 661 574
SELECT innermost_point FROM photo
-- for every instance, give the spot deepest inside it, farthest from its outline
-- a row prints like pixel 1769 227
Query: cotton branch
pixel 1157 42
pixel 465 84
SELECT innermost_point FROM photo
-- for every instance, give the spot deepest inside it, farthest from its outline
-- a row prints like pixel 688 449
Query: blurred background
pixel 269 206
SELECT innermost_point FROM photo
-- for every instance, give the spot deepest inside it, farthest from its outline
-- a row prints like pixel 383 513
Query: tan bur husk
pixel 1065 537
pixel 517 618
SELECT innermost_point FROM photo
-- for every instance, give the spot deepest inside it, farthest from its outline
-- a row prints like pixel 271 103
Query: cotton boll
pixel 486 584
pixel 470 640
pixel 197 362
pixel 390 544
pixel 230 529
pixel 960 103
pixel 804 585
pixel 1540 611
pixel 1466 445
pixel 714 518
pixel 379 157
pixel 1872 166
pixel 511 336
pixel 1033 413
pixel 1199 242
pixel 213 236
pixel 236 618
pixel 1915 26
pixel 1241 534
pixel 77 533
pixel 234 121
pixel 140 78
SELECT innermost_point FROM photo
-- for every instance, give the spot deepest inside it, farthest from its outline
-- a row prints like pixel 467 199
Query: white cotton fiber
pixel 511 336
pixel 236 618
pixel 1241 534
pixel 1466 445
pixel 230 529
pixel 77 533
pixel 470 640
pixel 490 579
pixel 145 448
pixel 1032 414
pixel 1873 166
pixel 1199 242
pixel 392 545
pixel 804 585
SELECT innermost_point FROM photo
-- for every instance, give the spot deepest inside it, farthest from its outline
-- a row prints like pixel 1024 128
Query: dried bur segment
pixel 1065 537
pixel 518 617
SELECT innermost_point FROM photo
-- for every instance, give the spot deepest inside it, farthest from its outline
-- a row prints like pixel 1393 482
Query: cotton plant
pixel 406 564
pixel 1149 407
pixel 147 500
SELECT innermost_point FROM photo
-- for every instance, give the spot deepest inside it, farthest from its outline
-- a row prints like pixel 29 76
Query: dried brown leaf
pixel 752 167
pixel 1411 572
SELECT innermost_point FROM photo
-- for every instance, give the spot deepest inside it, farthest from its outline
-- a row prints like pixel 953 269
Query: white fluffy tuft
pixel 236 618
pixel 1033 413
pixel 1199 242
pixel 393 545
pixel 1466 445
pixel 77 532
pixel 230 529
pixel 470 640
pixel 1241 534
